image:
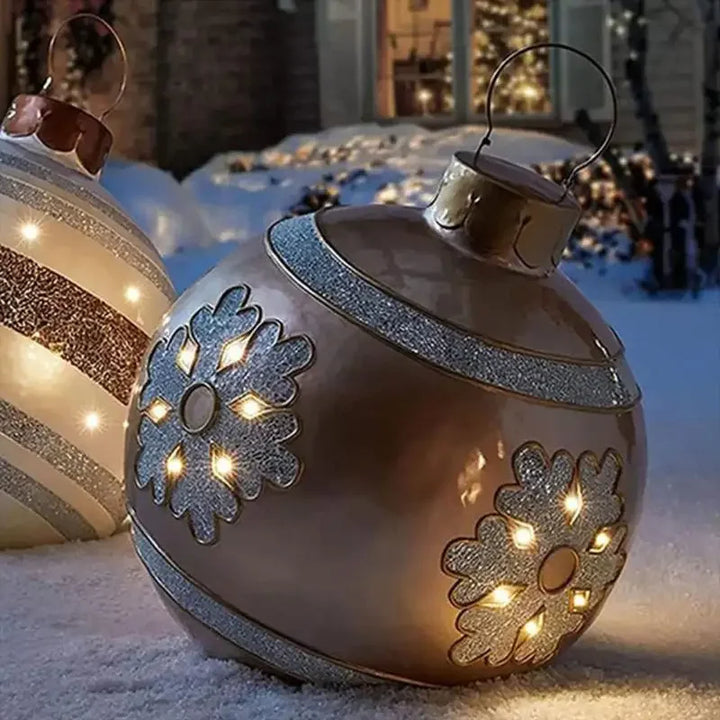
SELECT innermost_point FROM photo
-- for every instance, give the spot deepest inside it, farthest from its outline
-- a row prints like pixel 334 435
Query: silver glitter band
pixel 78 219
pixel 65 457
pixel 274 650
pixel 65 519
pixel 297 246
pixel 58 178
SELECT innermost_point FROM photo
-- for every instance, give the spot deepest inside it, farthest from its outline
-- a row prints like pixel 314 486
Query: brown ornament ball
pixel 386 444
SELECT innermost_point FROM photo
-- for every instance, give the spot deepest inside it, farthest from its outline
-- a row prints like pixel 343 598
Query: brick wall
pixel 233 74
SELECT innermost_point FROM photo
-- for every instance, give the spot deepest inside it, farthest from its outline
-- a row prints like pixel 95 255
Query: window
pixel 500 27
pixel 414 61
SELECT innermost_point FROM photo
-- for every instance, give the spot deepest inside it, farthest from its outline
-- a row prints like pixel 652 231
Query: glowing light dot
pixel 580 599
pixel 186 357
pixel 91 421
pixel 125 424
pixel 572 503
pixel 223 466
pixel 532 628
pixel 501 596
pixel 523 536
pixel 30 231
pixel 602 540
pixel 158 411
pixel 132 294
pixel 249 407
pixel 174 465
pixel 232 353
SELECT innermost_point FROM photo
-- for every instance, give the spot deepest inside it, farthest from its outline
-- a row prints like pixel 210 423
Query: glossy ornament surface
pixel 427 473
pixel 81 292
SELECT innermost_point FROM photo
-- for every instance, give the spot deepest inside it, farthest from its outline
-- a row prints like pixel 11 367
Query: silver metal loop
pixel 570 179
pixel 123 54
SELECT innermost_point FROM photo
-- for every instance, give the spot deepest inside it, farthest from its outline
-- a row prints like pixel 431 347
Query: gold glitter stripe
pixel 95 480
pixel 54 312
pixel 275 650
pixel 67 521
pixel 87 263
pixel 62 211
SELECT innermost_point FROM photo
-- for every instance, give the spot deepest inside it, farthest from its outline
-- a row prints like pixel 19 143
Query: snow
pixel 83 635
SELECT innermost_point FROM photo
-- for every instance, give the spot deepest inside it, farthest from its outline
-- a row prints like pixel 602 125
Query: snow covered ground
pixel 83 635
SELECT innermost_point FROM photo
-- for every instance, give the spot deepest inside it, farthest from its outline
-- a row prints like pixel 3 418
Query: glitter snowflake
pixel 537 570
pixel 215 413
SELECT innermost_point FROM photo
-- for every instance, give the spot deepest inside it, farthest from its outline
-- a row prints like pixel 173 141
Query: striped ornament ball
pixel 81 291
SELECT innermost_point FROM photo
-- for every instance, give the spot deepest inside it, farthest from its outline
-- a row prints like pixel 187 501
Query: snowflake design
pixel 215 413
pixel 538 569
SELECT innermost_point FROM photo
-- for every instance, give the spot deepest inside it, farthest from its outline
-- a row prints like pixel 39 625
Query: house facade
pixel 208 76
pixel 429 61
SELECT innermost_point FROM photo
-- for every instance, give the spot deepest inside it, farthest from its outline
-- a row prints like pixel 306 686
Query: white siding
pixel 674 75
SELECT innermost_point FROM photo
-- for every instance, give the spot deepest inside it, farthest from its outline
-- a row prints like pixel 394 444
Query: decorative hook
pixel 570 179
pixel 123 53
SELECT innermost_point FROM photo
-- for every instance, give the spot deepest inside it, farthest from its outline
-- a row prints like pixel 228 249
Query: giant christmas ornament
pixel 81 292
pixel 385 444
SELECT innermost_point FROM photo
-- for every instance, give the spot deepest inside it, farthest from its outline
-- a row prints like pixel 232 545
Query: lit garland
pixel 501 27
pixel 89 45
pixel 31 23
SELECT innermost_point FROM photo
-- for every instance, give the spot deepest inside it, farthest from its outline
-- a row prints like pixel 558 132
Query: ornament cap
pixel 502 212
pixel 67 133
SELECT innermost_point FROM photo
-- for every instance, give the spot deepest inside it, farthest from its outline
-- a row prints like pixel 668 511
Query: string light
pixel 158 410
pixel 91 421
pixel 187 356
pixel 132 294
pixel 501 596
pixel 249 406
pixel 30 231
pixel 223 465
pixel 523 536
pixel 233 352
pixel 175 463
pixel 600 542
pixel 579 600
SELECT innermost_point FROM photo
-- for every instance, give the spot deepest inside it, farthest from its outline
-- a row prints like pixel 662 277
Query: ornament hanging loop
pixel 570 179
pixel 123 55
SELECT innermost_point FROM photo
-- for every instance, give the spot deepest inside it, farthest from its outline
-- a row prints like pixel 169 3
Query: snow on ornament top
pixel 81 291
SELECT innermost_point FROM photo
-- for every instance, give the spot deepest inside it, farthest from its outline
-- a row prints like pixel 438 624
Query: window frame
pixel 461 27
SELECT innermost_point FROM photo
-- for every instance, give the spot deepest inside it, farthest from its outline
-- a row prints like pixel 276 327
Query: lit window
pixel 414 59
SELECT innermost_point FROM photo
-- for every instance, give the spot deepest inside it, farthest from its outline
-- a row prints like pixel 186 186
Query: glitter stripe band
pixel 54 312
pixel 57 177
pixel 297 246
pixel 65 457
pixel 67 521
pixel 274 650
pixel 76 218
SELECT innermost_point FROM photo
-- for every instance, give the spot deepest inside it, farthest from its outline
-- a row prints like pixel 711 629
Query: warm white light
pixel 232 353
pixel 532 628
pixel 501 596
pixel 529 92
pixel 186 357
pixel 249 407
pixel 91 421
pixel 223 466
pixel 601 541
pixel 132 294
pixel 158 410
pixel 572 503
pixel 523 536
pixel 30 231
pixel 580 599
pixel 175 464
pixel 424 95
